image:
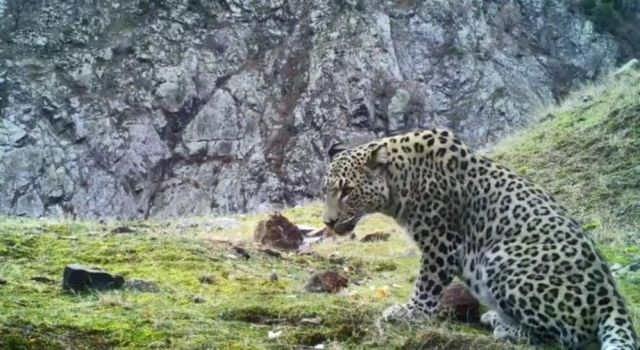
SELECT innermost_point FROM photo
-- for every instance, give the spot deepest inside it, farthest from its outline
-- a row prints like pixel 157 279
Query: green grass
pixel 241 307
pixel 586 152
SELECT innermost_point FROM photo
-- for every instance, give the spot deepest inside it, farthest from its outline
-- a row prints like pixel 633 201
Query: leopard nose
pixel 330 223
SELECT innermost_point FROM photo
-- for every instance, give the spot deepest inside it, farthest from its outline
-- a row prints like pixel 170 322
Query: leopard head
pixel 355 184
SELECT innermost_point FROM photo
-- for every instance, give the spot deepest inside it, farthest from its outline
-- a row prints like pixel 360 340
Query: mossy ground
pixel 587 153
pixel 242 304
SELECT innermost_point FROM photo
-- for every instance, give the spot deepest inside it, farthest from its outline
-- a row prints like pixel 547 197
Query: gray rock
pixel 124 112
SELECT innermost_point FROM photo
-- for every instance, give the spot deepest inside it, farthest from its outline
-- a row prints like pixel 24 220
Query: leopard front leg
pixel 435 275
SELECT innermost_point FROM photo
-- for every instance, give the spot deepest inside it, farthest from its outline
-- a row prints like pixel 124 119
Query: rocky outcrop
pixel 168 108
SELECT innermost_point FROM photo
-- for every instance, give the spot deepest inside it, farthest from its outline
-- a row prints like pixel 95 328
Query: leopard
pixel 517 250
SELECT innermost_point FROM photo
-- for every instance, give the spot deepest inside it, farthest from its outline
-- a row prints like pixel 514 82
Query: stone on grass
pixel 242 252
pixel 43 279
pixel 199 299
pixel 2 281
pixel 207 279
pixel 123 229
pixel 458 302
pixel 326 282
pixel 273 277
pixel 142 286
pixel 376 237
pixel 277 232
pixel 78 278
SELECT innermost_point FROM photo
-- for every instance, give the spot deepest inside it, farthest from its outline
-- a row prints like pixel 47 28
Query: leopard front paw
pixel 491 319
pixel 404 313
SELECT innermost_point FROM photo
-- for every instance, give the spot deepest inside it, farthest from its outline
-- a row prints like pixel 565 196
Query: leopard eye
pixel 345 191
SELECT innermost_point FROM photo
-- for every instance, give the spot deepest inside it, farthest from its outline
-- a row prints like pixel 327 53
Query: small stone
pixel 376 237
pixel 142 286
pixel 3 281
pixel 199 299
pixel 79 278
pixel 43 279
pixel 461 304
pixel 207 279
pixel 311 321
pixel 242 252
pixel 326 282
pixel 123 229
pixel 273 277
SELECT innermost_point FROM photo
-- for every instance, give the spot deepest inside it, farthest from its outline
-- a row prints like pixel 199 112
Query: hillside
pixel 586 152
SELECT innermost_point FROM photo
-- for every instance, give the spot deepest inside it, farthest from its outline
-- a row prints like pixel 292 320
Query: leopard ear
pixel 336 148
pixel 379 157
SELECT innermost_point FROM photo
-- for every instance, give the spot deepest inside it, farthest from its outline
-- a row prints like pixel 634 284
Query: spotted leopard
pixel 514 247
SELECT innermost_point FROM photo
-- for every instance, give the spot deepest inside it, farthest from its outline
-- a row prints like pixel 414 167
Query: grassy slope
pixel 587 154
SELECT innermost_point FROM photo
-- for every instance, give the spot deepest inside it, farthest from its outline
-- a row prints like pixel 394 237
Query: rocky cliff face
pixel 163 108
